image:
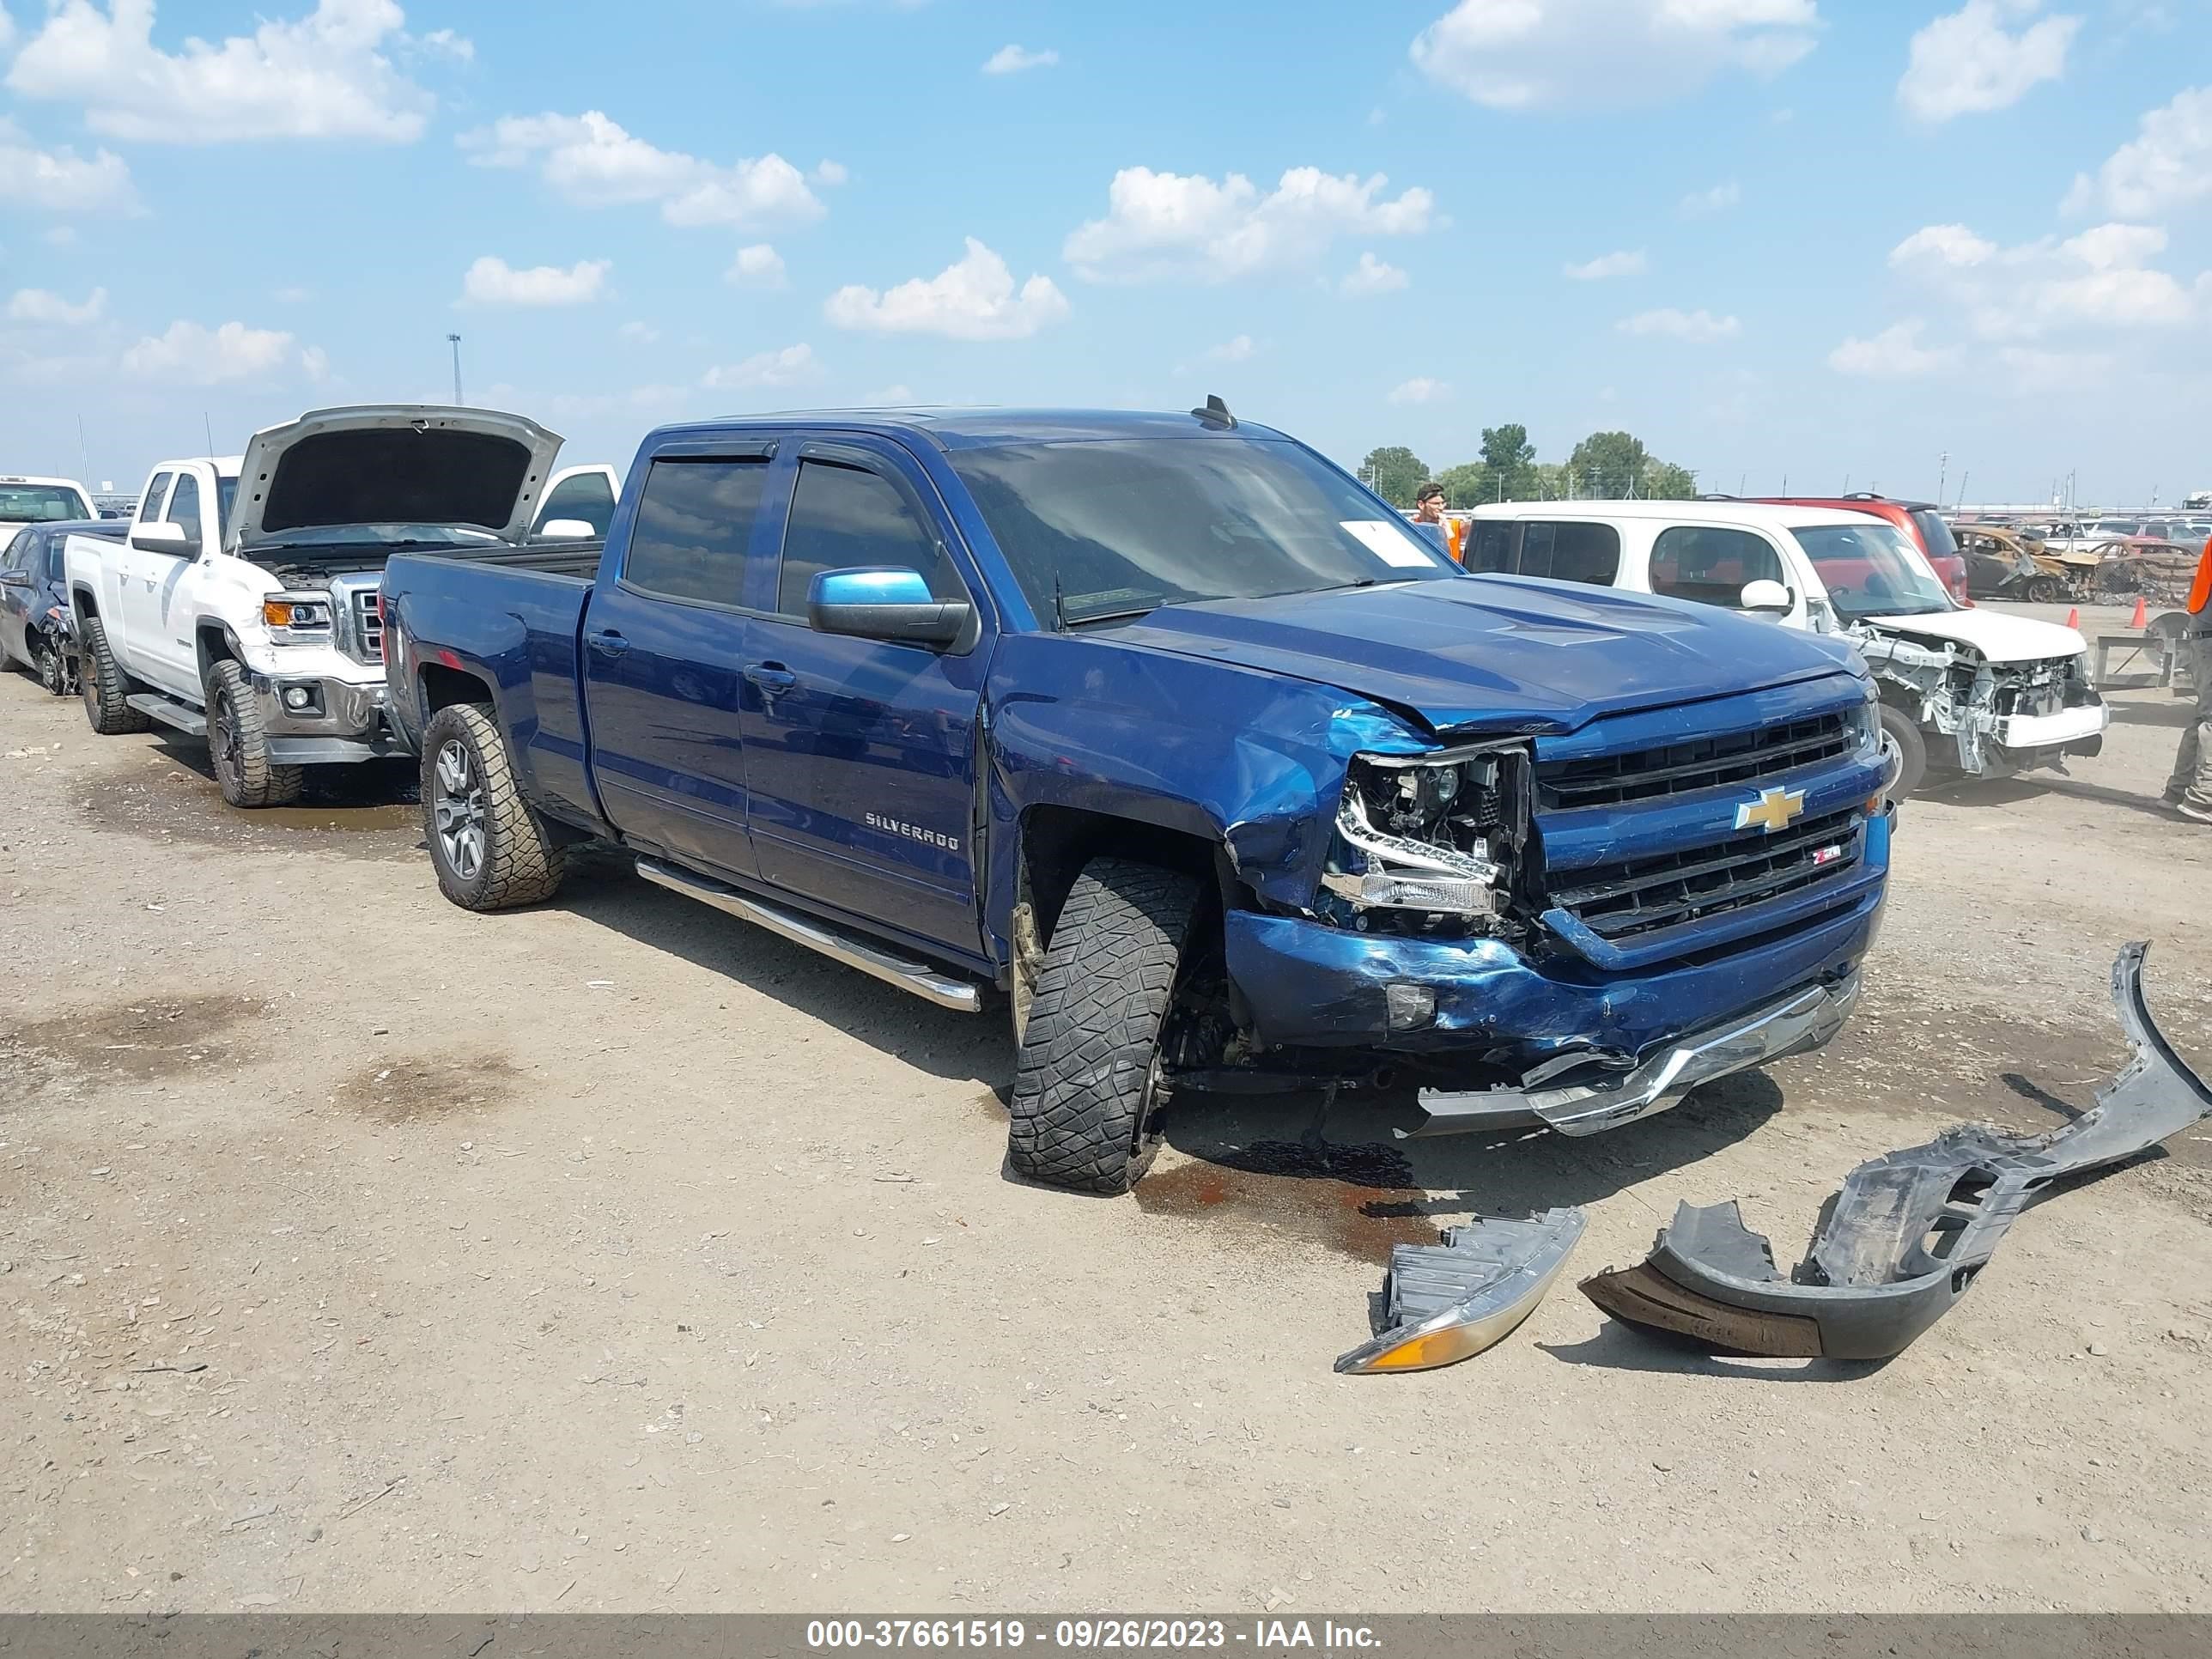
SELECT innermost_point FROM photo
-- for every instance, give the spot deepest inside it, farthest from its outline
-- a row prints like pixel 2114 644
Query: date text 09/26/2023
pixel 1255 1636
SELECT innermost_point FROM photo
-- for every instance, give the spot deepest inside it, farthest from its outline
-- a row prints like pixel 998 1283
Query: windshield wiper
pixel 1067 622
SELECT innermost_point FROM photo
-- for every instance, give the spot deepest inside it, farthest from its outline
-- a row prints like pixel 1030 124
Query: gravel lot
pixel 359 1253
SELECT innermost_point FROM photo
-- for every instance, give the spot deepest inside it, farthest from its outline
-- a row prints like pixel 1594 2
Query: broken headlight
pixel 1866 724
pixel 1434 834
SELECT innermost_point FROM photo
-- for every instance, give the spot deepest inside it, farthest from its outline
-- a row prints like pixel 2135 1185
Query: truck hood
pixel 1502 653
pixel 1999 637
pixel 392 464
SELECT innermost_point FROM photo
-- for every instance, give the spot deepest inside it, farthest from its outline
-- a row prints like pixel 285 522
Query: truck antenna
pixel 1215 413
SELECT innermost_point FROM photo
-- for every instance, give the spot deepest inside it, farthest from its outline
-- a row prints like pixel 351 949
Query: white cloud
pixel 194 354
pixel 1584 54
pixel 36 305
pixel 1237 350
pixel 972 299
pixel 758 266
pixel 290 296
pixel 1718 199
pixel 58 236
pixel 444 43
pixel 1372 275
pixel 1698 327
pixel 2167 164
pixel 789 367
pixel 1163 225
pixel 492 282
pixel 2100 278
pixel 651 401
pixel 1894 354
pixel 1968 63
pixel 323 75
pixel 315 363
pixel 592 161
pixel 1012 60
pixel 1627 262
pixel 60 180
pixel 1420 390
pixel 638 333
pixel 831 173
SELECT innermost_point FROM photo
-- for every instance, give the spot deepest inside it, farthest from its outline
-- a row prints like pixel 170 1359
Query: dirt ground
pixel 359 1253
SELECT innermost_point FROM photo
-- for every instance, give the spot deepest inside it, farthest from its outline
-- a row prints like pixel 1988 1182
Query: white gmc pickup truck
pixel 243 603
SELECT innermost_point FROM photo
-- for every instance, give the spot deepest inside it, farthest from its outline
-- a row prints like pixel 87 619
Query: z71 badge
pixel 891 826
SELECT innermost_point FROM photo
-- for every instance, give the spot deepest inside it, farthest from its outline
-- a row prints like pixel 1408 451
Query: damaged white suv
pixel 1964 691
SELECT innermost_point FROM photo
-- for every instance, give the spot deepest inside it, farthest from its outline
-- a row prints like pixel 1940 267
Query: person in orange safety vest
pixel 2188 791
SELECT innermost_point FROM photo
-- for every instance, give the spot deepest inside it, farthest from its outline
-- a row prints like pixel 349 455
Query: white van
pixel 1964 690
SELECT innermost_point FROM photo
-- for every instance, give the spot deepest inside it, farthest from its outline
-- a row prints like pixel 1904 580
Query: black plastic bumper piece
pixel 1910 1229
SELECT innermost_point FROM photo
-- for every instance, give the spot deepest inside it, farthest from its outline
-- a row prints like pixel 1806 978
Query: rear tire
pixel 1087 1081
pixel 239 743
pixel 489 848
pixel 1902 737
pixel 104 687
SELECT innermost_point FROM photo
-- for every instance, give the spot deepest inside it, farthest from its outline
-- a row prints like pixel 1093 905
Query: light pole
pixel 1943 474
pixel 456 342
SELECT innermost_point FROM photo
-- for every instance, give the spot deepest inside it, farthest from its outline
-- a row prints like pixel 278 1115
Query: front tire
pixel 104 688
pixel 1087 1082
pixel 490 849
pixel 1908 749
pixel 46 664
pixel 239 743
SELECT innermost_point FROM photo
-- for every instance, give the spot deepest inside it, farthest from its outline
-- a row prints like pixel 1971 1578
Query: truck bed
pixel 515 618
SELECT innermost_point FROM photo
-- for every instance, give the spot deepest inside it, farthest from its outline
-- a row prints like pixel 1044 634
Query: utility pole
pixel 1963 476
pixel 1943 474
pixel 455 340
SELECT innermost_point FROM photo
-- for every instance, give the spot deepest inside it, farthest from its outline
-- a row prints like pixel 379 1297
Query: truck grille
pixel 368 623
pixel 1618 901
pixel 1731 758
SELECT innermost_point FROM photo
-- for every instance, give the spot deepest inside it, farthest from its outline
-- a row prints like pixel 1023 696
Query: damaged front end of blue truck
pixel 1561 888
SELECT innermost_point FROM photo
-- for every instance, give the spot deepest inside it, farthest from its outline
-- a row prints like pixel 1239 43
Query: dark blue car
pixel 35 606
pixel 1165 732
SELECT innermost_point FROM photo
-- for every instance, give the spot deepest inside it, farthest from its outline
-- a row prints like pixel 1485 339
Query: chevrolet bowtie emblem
pixel 1775 809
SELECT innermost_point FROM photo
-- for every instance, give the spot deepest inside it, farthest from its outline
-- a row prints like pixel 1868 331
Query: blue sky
pixel 1799 238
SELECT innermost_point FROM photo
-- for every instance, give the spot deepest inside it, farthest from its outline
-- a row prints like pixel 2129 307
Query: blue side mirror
pixel 884 602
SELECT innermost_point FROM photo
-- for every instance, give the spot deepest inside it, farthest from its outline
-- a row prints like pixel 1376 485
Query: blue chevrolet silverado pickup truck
pixel 1165 732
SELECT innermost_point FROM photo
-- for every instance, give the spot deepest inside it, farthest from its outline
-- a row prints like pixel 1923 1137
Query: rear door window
pixel 1570 552
pixel 1711 565
pixel 1934 535
pixel 1489 545
pixel 845 516
pixel 694 521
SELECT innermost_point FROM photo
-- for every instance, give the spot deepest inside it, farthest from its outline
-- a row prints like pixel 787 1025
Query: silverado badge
pixel 1775 809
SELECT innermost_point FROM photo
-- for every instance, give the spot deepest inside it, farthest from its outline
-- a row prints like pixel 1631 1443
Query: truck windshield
pixel 1871 570
pixel 28 503
pixel 1098 531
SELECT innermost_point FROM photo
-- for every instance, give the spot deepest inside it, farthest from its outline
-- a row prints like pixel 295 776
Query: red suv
pixel 1921 520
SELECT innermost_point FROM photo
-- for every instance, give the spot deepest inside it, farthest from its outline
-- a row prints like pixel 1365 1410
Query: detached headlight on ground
pixel 1448 1302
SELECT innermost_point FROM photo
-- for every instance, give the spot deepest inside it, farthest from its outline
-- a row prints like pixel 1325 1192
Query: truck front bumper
pixel 2065 730
pixel 1571 1044
pixel 321 720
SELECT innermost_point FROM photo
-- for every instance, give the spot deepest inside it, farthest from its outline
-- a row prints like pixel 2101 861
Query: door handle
pixel 609 643
pixel 771 677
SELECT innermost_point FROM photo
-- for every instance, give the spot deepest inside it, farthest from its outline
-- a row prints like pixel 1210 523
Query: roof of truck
pixel 1759 514
pixel 953 428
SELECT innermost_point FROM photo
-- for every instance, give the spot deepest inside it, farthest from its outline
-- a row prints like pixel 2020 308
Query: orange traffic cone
pixel 2074 617
pixel 2143 614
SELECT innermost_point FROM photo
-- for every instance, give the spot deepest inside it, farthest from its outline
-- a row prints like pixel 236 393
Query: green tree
pixel 1508 453
pixel 1394 472
pixel 1616 465
pixel 1469 485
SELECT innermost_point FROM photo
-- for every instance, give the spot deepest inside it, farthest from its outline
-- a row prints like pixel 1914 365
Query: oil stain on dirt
pixel 364 812
pixel 1356 1200
pixel 137 1041
pixel 417 1090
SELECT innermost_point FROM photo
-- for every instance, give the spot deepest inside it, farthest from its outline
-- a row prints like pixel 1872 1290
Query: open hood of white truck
pixel 1999 637
pixel 390 464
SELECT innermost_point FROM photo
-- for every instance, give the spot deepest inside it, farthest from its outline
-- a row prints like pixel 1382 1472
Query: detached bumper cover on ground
pixel 1448 1302
pixel 1909 1231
